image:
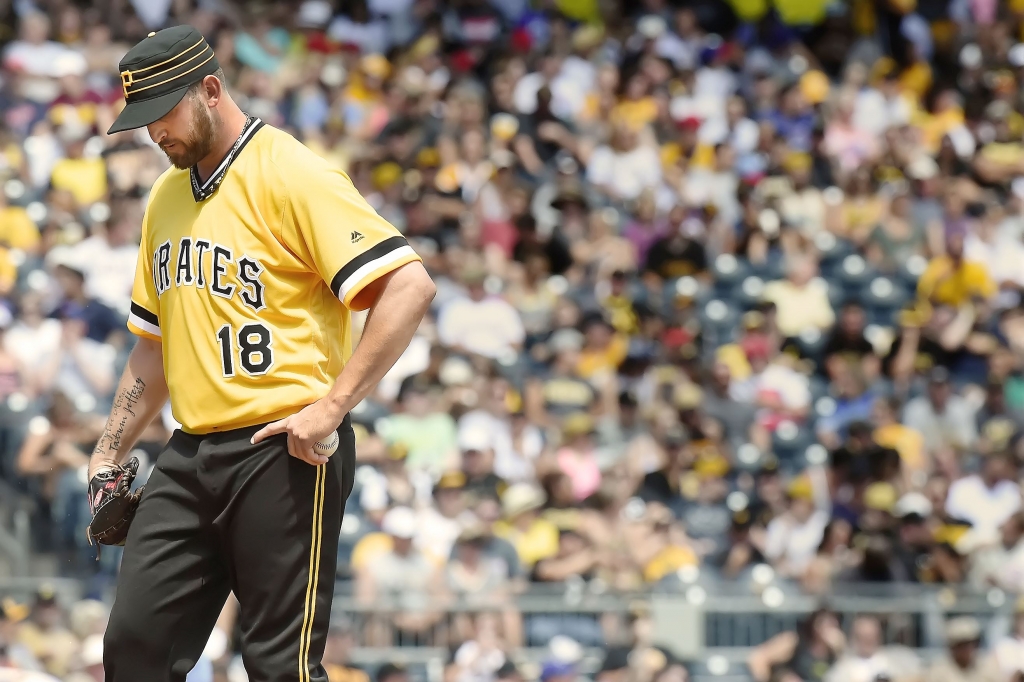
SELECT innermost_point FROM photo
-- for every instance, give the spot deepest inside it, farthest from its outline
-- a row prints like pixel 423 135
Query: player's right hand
pixel 305 427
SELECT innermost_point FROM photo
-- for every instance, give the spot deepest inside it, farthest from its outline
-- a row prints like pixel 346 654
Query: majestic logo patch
pixel 356 236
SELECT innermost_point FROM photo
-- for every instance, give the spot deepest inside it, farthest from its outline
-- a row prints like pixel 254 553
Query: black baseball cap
pixel 156 73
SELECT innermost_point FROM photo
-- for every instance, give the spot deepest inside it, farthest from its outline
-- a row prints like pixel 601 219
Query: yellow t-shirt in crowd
pixel 799 308
pixel 86 179
pixel 17 230
pixel 593 361
pixel 669 560
pixel 539 541
pixel 907 442
pixel 944 283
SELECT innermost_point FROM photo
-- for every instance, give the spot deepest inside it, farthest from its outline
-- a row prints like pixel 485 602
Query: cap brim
pixel 141 114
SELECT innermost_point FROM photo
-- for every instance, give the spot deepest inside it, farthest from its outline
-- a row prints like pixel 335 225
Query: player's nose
pixel 157 132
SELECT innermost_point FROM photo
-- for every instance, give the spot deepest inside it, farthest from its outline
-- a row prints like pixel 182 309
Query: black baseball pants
pixel 220 515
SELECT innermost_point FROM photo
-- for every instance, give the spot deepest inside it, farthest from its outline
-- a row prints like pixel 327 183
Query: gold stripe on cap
pixel 168 69
pixel 168 80
pixel 201 41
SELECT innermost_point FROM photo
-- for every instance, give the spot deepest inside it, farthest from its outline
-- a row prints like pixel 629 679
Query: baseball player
pixel 254 253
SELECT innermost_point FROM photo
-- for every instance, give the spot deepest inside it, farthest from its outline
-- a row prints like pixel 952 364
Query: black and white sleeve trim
pixel 359 268
pixel 143 319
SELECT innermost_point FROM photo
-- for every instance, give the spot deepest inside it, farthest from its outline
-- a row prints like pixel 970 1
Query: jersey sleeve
pixel 349 245
pixel 142 315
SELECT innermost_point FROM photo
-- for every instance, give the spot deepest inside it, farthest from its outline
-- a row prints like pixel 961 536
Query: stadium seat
pixel 911 270
pixel 883 298
pixel 832 252
pixel 749 293
pixel 728 271
pixel 811 342
pixel 837 293
pixel 855 273
pixel 790 440
pixel 718 322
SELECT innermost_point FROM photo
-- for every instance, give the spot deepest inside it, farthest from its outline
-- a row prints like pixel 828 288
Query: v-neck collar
pixel 203 191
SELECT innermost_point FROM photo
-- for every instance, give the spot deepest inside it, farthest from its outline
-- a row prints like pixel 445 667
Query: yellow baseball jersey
pixel 250 277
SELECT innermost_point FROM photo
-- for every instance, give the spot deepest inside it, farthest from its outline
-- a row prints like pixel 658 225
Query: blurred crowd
pixel 724 287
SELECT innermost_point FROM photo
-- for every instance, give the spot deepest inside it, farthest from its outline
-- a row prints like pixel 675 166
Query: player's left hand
pixel 305 427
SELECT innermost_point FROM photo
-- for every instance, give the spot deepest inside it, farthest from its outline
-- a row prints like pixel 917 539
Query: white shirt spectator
pixel 1009 656
pixel 985 508
pixel 510 462
pixel 32 345
pixel 791 387
pixel 717 83
pixel 490 327
pixel 793 542
pixel 682 53
pixel 570 87
pixel 436 533
pixel 875 114
pixel 414 360
pixel 1003 258
pixel 109 271
pixel 627 174
pixel 34 59
pixel 954 427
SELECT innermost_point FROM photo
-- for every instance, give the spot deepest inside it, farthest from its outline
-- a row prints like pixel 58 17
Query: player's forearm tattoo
pixel 123 408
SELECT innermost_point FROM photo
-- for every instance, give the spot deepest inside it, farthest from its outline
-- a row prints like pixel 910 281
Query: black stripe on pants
pixel 220 515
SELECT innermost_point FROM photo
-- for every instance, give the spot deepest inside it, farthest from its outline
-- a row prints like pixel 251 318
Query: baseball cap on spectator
pixel 687 396
pixel 801 488
pixel 451 480
pixel 46 595
pixel 962 630
pixel 922 168
pixel 520 498
pixel 167 63
pixel 400 523
pixel 814 86
pixel 651 26
pixel 938 376
pixel 13 610
pixel 504 126
pixel 397 451
pixel 565 340
pixel 475 439
pixel 913 506
pixel 375 65
pixel 577 424
pixel 880 496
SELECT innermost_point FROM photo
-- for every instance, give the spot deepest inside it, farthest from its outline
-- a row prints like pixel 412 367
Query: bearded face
pixel 197 139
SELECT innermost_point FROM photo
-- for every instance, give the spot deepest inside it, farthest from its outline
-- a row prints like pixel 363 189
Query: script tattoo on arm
pixel 122 410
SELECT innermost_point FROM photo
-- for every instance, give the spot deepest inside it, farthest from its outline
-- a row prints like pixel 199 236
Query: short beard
pixel 201 137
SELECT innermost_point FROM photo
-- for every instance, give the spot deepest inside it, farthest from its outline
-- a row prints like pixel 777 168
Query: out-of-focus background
pixel 723 380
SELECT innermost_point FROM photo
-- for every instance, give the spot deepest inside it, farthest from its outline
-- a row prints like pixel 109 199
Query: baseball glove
pixel 113 503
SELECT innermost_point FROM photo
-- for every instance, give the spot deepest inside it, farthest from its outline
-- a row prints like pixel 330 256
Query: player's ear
pixel 214 90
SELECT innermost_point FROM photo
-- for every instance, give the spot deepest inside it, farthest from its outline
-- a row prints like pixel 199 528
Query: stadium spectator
pixel 805 654
pixel 963 662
